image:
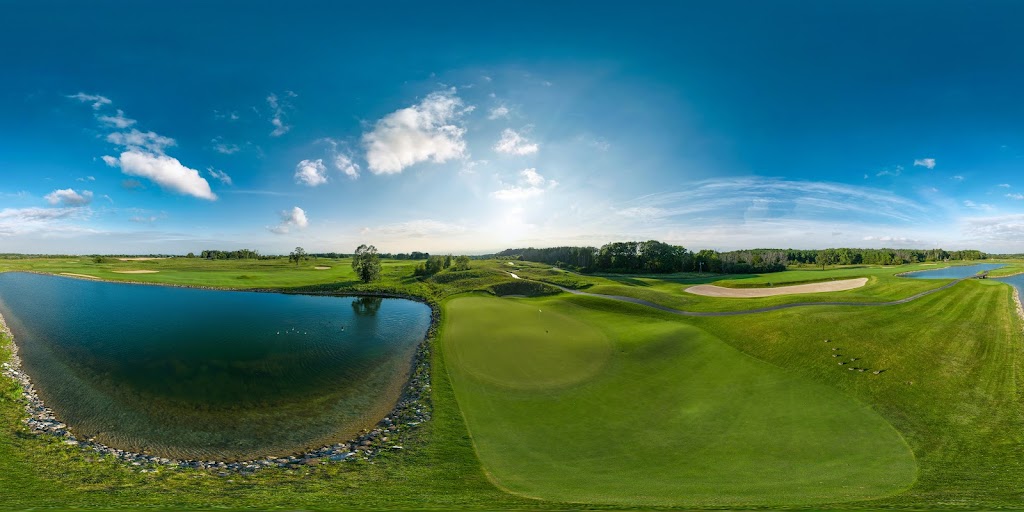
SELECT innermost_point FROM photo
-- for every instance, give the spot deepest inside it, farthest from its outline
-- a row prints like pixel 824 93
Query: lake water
pixel 203 374
pixel 958 272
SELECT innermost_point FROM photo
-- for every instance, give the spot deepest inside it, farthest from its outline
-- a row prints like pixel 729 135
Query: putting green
pixel 672 417
pixel 537 349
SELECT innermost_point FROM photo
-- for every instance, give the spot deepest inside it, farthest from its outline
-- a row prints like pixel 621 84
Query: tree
pixel 297 255
pixel 366 263
pixel 462 262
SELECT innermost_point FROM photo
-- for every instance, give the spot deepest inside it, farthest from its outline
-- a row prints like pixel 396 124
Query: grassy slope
pixel 882 286
pixel 674 418
pixel 952 362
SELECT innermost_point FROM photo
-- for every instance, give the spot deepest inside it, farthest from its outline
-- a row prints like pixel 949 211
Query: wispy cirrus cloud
pixel 95 100
pixel 279 107
pixel 738 197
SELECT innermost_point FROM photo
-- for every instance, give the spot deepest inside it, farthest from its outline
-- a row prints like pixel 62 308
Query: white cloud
pixel 296 217
pixel 110 160
pixel 498 113
pixel 136 140
pixel 532 177
pixel 278 106
pixel 427 131
pixel 311 173
pixel 928 163
pixel 512 142
pixel 165 171
pixel 978 206
pixel 118 120
pixel 1004 185
pixel 1000 229
pixel 87 178
pixel 68 197
pixel 345 164
pixel 531 185
pixel 220 175
pixel 1018 197
pixel 224 148
pixel 957 178
pixel 897 240
pixel 891 171
pixel 96 100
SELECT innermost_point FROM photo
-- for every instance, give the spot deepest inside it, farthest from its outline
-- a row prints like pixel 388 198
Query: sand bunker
pixel 710 290
pixel 135 271
pixel 140 259
pixel 321 268
pixel 78 275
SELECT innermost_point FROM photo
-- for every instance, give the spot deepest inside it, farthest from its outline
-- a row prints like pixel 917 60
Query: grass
pixel 950 390
pixel 675 417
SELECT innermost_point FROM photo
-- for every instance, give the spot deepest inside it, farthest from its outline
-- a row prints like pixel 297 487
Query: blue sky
pixel 473 127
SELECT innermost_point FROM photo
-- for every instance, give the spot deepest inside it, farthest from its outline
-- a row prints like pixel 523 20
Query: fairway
pixel 676 417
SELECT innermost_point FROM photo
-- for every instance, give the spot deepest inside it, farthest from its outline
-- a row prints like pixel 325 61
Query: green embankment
pixel 674 417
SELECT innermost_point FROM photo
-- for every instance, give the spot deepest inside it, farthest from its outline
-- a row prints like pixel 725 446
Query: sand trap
pixel 78 275
pixel 140 259
pixel 710 290
pixel 514 276
pixel 321 268
pixel 135 271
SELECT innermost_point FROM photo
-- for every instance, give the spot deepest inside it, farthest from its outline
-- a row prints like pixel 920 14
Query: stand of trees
pixel 240 254
pixel 653 257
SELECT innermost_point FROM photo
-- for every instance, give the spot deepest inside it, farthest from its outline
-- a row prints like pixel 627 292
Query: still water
pixel 958 272
pixel 188 373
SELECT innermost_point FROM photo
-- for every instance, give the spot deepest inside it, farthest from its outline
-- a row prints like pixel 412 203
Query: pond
pixel 203 374
pixel 957 272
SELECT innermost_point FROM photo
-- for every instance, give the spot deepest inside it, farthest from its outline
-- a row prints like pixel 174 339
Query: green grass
pixel 952 362
pixel 675 418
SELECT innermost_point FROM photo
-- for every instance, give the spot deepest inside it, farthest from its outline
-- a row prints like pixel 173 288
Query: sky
pixel 471 127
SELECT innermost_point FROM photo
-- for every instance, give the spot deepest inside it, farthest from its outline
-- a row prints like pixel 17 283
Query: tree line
pixel 654 257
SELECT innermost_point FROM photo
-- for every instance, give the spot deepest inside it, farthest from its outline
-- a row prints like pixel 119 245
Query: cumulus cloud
pixel 138 140
pixel 118 121
pixel 311 173
pixel 220 175
pixel 296 217
pixel 427 131
pixel 165 171
pixel 1004 185
pixel 928 163
pixel 96 100
pixel 1018 197
pixel 896 240
pixel 345 164
pixel 278 107
pixel 68 197
pixel 498 113
pixel 891 171
pixel 999 229
pixel 513 143
pixel 87 178
pixel 531 184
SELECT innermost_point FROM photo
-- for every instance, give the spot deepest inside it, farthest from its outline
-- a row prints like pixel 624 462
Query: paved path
pixel 757 310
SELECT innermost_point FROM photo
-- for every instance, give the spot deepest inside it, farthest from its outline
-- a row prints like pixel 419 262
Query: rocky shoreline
pixel 413 408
